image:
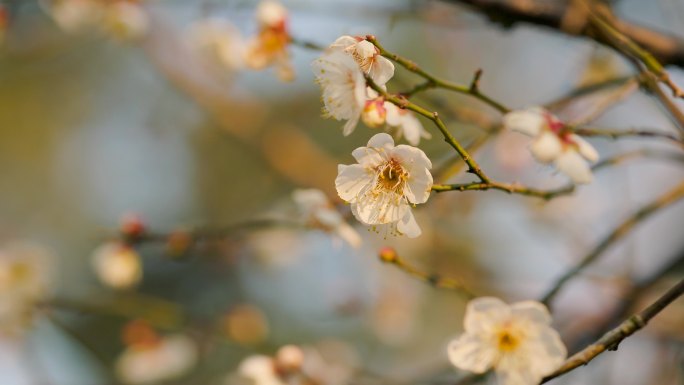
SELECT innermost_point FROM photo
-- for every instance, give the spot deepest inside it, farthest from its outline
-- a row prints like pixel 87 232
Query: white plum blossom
pixel 385 182
pixel 343 86
pixel 159 359
pixel 117 265
pixel 515 340
pixel 367 56
pixel 405 123
pixel 319 212
pixel 219 41
pixel 554 143
pixel 126 20
pixel 73 15
pixel 24 281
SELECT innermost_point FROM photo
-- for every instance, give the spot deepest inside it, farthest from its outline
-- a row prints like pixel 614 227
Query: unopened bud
pixel 374 113
pixel 131 225
pixel 388 255
pixel 289 358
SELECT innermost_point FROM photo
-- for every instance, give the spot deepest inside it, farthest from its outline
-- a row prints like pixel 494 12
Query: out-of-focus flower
pixel 24 281
pixel 219 41
pixel 269 46
pixel 554 143
pixel 404 122
pixel 384 183
pixel 320 213
pixel 246 324
pixel 132 226
pixel 516 340
pixel 367 56
pixel 126 20
pixel 117 265
pixel 73 15
pixel 151 358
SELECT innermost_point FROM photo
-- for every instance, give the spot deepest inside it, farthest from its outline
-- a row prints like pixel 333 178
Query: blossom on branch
pixel 404 123
pixel 218 41
pixel 384 183
pixel 320 213
pixel 269 47
pixel 367 56
pixel 554 142
pixel 516 340
pixel 117 265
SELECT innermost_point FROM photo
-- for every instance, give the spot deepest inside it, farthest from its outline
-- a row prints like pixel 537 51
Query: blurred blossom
pixel 126 20
pixel 132 225
pixel 554 142
pixel 24 282
pixel 404 123
pixel 330 363
pixel 150 358
pixel 73 15
pixel 219 41
pixel 270 46
pixel 516 340
pixel 320 213
pixel 117 265
pixel 246 324
pixel 386 180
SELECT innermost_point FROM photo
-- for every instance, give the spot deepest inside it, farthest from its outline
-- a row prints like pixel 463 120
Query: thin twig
pixel 618 233
pixel 511 188
pixel 612 339
pixel 435 82
pixel 390 256
pixel 587 90
pixel 618 133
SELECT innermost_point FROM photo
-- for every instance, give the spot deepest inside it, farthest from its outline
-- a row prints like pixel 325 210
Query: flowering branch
pixel 435 82
pixel 404 103
pixel 640 215
pixel 511 188
pixel 612 339
pixel 390 256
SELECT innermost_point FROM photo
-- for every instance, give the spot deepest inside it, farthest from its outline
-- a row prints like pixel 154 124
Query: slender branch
pixel 403 103
pixel 612 339
pixel 618 233
pixel 588 90
pixel 390 256
pixel 435 82
pixel 511 188
pixel 617 133
pixel 650 83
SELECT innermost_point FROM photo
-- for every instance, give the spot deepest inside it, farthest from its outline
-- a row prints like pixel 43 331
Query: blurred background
pixel 109 134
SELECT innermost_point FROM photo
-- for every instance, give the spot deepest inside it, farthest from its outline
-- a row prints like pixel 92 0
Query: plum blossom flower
pixel 319 212
pixel 117 265
pixel 384 183
pixel 24 281
pixel 516 340
pixel 404 123
pixel 344 88
pixel 151 358
pixel 554 143
pixel 125 20
pixel 219 41
pixel 367 56
pixel 269 46
pixel 73 15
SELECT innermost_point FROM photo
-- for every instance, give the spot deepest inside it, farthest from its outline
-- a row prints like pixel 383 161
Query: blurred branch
pixel 618 233
pixel 435 82
pixel 620 158
pixel 618 133
pixel 569 18
pixel 588 90
pixel 390 256
pixel 612 339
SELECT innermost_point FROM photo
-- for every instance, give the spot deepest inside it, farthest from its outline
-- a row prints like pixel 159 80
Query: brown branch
pixel 618 233
pixel 564 17
pixel 612 339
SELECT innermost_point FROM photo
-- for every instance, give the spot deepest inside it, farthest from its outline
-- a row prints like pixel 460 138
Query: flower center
pixel 392 177
pixel 507 341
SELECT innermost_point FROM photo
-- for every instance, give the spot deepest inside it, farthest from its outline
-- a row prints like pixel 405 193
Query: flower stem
pixel 511 188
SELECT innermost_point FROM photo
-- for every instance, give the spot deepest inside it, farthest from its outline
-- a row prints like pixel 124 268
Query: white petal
pixel 349 234
pixel 515 369
pixel 308 198
pixel 343 42
pixel 468 352
pixel 572 164
pixel 483 314
pixel 408 225
pixel 529 121
pixel 419 186
pixel 377 209
pixel 546 147
pixel 411 157
pixel 381 140
pixel 370 157
pixel 351 181
pixel 382 70
pixel 532 311
pixel 548 351
pixel 351 125
pixel 585 148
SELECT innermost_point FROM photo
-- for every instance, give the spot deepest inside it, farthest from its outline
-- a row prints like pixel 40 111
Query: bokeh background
pixel 94 128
